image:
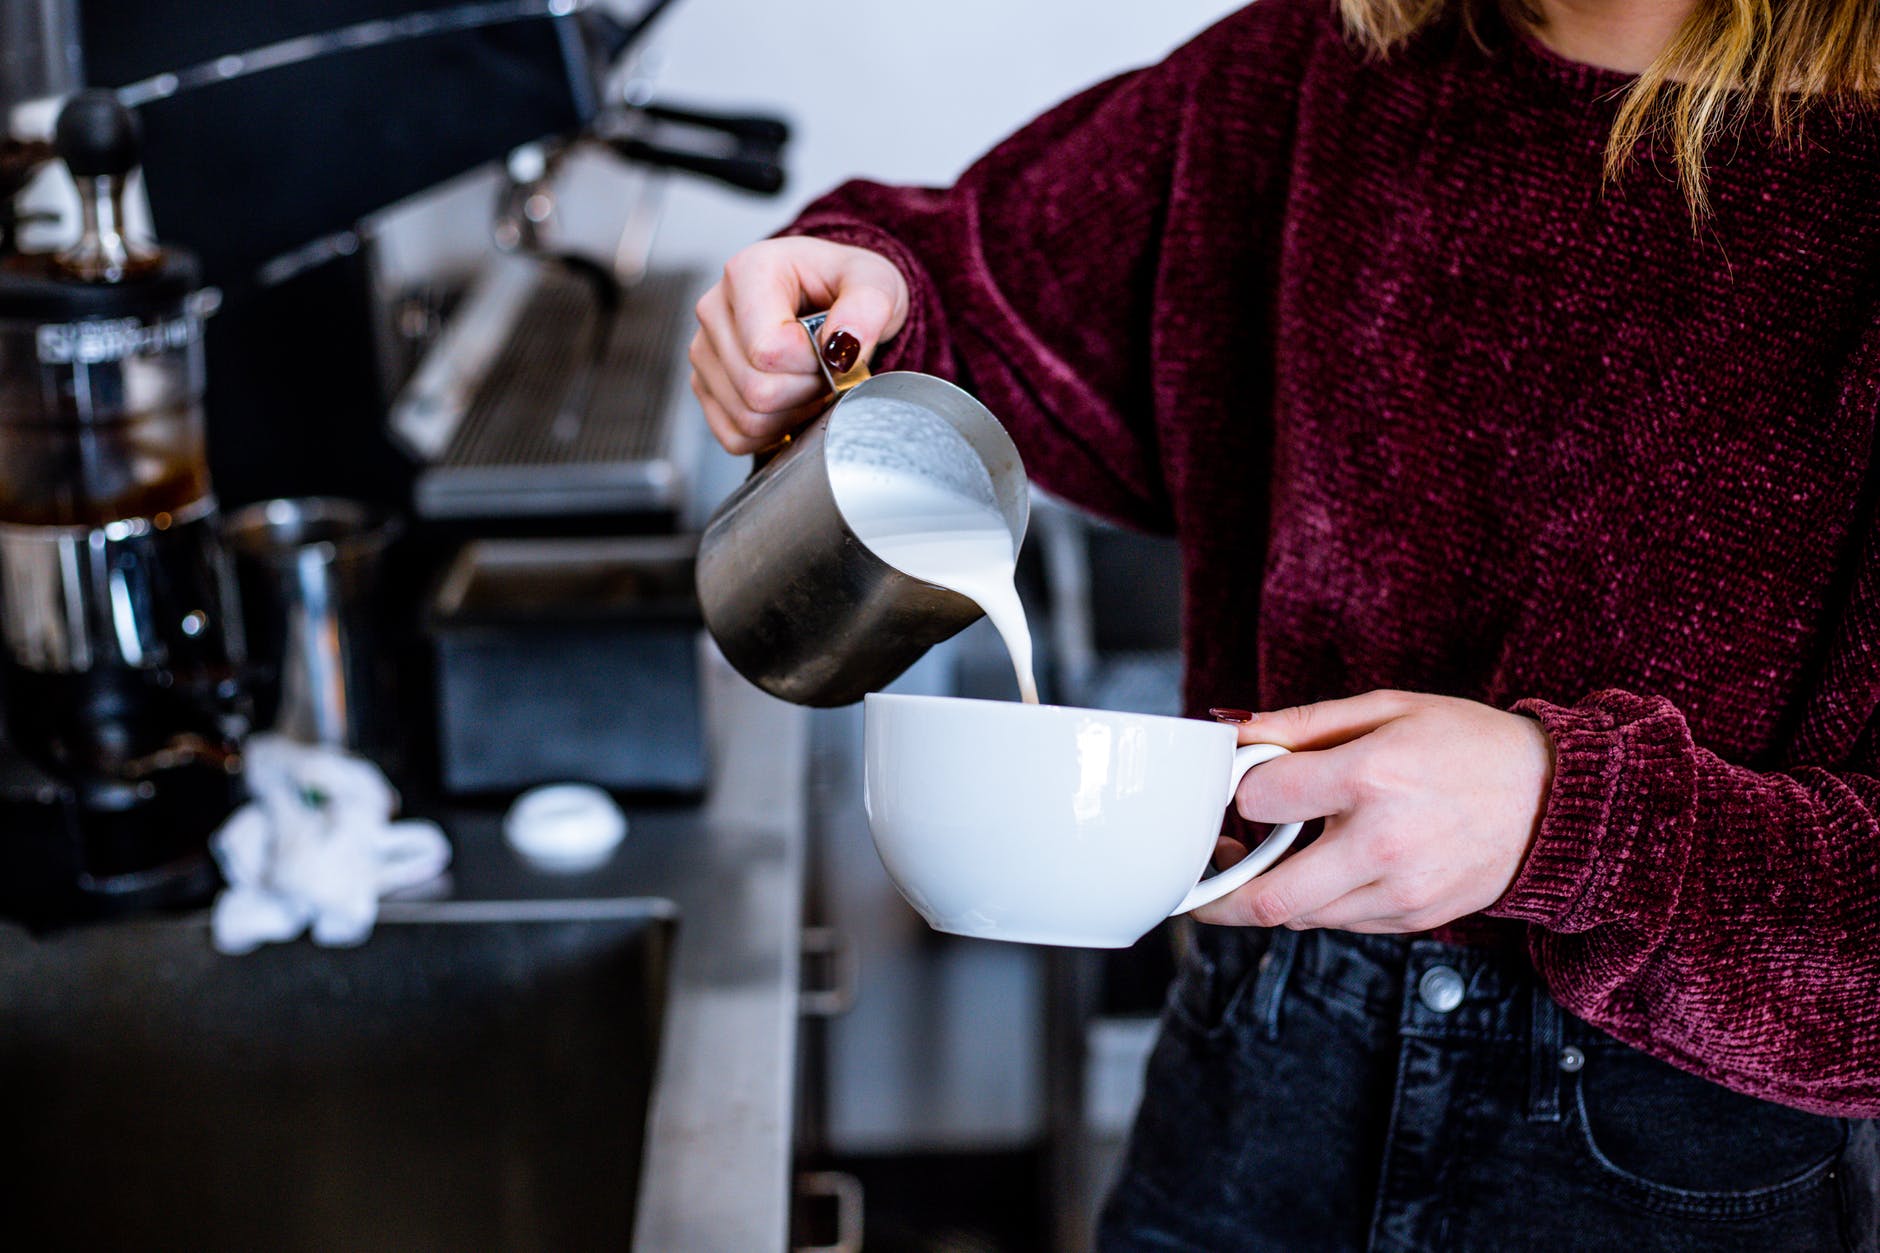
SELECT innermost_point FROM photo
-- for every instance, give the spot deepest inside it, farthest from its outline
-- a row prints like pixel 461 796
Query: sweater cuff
pixel 921 342
pixel 1618 812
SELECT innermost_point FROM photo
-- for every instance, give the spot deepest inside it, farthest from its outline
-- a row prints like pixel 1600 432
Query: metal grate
pixel 553 430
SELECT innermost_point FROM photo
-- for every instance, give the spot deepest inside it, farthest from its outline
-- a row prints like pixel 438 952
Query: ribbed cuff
pixel 1616 825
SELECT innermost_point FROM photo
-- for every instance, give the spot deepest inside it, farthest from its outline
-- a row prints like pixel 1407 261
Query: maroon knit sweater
pixel 1430 409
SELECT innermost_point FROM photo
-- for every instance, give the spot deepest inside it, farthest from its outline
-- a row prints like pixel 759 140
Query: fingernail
pixel 1235 716
pixel 842 351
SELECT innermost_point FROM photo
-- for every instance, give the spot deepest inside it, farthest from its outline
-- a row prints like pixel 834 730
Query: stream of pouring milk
pixel 911 488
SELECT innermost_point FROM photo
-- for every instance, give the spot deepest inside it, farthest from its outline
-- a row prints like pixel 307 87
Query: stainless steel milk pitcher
pixel 798 604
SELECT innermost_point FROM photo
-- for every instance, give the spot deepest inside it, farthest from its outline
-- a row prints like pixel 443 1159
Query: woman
pixel 1525 359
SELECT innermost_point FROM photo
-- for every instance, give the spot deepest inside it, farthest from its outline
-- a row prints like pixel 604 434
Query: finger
pixel 720 333
pixel 765 294
pixel 713 311
pixel 1330 722
pixel 754 422
pixel 1301 786
pixel 710 380
pixel 1398 925
pixel 862 310
pixel 1227 851
pixel 1368 903
pixel 1307 881
pixel 749 387
pixel 722 427
pixel 1392 905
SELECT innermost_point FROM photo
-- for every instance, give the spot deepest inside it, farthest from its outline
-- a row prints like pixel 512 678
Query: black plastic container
pixel 570 660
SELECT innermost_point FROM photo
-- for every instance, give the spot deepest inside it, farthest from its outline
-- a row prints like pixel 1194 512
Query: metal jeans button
pixel 1571 1059
pixel 1441 988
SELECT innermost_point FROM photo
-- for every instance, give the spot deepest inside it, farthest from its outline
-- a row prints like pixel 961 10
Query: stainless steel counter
pixel 716 1174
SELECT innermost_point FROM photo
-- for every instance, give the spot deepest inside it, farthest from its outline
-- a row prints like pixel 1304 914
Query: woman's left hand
pixel 1430 806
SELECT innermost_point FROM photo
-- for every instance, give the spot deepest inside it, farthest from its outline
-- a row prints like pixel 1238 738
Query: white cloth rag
pixel 315 848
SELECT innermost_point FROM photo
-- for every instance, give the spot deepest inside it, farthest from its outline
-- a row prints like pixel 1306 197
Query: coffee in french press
pixel 120 637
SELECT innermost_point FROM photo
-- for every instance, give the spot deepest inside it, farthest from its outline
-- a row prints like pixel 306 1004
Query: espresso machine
pixel 120 636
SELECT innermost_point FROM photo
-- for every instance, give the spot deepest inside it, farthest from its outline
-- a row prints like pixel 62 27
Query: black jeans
pixel 1322 1092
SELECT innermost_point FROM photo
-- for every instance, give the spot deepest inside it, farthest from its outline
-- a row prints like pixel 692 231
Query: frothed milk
pixel 912 489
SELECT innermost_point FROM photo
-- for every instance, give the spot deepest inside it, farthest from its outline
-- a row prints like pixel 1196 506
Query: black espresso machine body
pixel 271 132
pixel 120 638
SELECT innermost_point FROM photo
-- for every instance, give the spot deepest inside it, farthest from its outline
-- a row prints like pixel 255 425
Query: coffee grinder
pixel 120 637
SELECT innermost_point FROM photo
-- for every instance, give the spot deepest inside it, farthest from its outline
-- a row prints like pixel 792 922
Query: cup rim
pixel 911 698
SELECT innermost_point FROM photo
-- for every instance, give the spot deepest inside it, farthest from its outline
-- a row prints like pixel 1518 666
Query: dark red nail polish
pixel 1230 715
pixel 842 352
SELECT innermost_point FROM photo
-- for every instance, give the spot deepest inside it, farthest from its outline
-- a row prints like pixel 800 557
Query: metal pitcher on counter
pixel 798 604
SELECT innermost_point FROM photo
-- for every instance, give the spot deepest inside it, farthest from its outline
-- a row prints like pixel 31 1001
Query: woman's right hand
pixel 752 366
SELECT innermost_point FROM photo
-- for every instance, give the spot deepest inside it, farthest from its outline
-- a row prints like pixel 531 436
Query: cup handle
pixel 1277 841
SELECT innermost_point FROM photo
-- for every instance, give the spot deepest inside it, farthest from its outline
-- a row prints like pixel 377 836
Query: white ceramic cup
pixel 1049 825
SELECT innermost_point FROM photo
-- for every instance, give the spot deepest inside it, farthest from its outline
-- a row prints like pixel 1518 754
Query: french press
pixel 120 635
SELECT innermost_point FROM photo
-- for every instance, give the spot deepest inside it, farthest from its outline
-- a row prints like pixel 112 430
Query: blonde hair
pixel 1730 58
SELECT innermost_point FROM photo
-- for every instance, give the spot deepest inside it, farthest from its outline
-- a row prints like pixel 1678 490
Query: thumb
pixel 861 318
pixel 1329 722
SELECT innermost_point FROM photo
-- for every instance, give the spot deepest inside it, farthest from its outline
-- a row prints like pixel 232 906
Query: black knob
pixel 96 135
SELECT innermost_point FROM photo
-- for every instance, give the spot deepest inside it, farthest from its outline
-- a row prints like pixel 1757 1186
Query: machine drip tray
pixel 539 401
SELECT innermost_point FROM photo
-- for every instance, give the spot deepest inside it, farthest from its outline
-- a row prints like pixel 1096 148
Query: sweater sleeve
pixel 1035 279
pixel 1722 918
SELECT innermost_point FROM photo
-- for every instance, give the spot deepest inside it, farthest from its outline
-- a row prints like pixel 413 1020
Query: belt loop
pixel 1270 988
pixel 1544 1057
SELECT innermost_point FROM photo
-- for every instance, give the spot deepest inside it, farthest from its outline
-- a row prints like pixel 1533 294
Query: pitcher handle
pixel 1277 841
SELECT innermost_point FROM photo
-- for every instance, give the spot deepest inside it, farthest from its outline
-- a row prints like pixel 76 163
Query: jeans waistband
pixel 1432 991
pixel 1432 988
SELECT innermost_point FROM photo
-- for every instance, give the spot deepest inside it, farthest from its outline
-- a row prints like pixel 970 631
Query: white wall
pixel 911 91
